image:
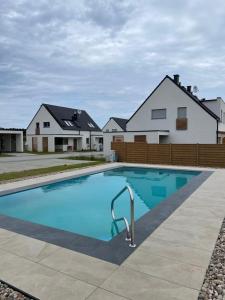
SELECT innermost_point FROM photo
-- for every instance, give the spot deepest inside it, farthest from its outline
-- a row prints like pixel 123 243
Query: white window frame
pixel 68 123
pixel 158 110
pixel 91 125
pixel 182 117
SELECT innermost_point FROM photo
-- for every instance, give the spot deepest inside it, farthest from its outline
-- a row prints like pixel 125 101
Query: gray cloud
pixel 103 55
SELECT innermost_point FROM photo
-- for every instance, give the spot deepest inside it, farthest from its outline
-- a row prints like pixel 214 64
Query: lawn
pixel 5 155
pixel 44 171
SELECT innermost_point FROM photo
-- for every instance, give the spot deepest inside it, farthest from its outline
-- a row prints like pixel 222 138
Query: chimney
pixel 176 78
pixel 189 89
pixel 74 117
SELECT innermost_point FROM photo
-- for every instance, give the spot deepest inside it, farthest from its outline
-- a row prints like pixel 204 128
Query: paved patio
pixel 169 264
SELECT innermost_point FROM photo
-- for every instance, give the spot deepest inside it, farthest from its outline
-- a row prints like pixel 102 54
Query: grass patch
pixel 83 157
pixel 43 171
pixel 5 155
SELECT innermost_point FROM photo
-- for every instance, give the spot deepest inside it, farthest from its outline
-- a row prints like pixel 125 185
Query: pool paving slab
pixel 170 264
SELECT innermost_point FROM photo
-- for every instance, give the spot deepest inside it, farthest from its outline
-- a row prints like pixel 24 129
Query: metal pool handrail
pixel 129 228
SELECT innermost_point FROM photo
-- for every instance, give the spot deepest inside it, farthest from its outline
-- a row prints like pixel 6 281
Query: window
pixel 181 112
pixel 223 118
pixel 158 114
pixel 68 123
pixel 65 141
pixel 46 124
pixel 37 129
pixel 91 125
pixel 114 130
pixel 181 121
pixel 140 138
pixel 87 141
pixel 118 138
pixel 107 130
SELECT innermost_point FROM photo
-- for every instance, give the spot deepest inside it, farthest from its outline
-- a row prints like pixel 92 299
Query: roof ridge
pixel 46 104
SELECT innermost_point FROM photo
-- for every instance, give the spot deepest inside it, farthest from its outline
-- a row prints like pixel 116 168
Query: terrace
pixel 170 263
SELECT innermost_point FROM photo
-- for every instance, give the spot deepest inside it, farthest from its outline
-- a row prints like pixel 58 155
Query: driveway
pixel 26 161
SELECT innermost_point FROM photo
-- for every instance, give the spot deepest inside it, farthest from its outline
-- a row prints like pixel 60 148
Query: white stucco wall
pixel 111 125
pixel 151 137
pixel 202 127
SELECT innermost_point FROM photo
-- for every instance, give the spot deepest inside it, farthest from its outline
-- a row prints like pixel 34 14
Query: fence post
pixel 170 153
pixel 125 151
pixel 197 154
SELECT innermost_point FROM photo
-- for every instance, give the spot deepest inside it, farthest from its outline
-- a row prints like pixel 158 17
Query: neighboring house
pixel 115 124
pixel 11 140
pixel 218 107
pixel 170 114
pixel 56 129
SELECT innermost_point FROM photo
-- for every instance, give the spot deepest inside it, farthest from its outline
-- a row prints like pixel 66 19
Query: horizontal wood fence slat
pixel 206 155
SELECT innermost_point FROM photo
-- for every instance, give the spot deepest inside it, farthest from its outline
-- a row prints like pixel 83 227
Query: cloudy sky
pixel 105 56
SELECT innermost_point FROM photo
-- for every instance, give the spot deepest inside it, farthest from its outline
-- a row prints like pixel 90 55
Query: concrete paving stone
pixel 100 294
pixel 190 223
pixel 29 248
pixel 57 287
pixel 40 281
pixel 177 252
pixel 80 266
pixel 207 213
pixel 136 285
pixel 165 268
pixel 189 239
pixel 5 235
pixel 202 201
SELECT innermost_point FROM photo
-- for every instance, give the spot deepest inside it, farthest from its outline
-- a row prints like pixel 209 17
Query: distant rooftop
pixel 121 122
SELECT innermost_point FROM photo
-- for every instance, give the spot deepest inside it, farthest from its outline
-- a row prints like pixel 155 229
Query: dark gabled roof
pixel 12 129
pixel 121 122
pixel 193 97
pixel 62 114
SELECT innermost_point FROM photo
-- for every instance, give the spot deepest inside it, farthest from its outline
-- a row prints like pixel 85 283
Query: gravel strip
pixel 213 287
pixel 8 293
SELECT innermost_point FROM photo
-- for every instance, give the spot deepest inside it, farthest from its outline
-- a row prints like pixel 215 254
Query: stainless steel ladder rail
pixel 129 228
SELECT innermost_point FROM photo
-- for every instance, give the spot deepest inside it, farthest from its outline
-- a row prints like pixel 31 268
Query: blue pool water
pixel 82 205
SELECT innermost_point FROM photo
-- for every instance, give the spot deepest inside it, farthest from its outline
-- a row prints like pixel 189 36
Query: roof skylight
pixel 68 123
pixel 91 125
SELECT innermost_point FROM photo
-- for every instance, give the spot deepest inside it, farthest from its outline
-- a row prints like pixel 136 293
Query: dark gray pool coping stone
pixel 113 251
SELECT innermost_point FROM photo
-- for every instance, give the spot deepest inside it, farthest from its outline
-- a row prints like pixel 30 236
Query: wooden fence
pixel 205 155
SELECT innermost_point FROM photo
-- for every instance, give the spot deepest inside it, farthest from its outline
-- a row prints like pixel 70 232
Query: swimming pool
pixel 82 205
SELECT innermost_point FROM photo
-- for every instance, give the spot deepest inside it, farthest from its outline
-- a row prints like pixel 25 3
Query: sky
pixel 105 56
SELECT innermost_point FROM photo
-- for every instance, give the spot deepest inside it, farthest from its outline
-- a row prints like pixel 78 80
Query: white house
pixel 218 107
pixel 56 128
pixel 11 140
pixel 170 114
pixel 115 124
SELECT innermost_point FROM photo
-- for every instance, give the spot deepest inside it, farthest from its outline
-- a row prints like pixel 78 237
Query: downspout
pixel 217 132
pixel 90 139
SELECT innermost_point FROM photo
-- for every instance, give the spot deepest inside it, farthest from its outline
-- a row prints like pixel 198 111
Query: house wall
pixel 202 127
pixel 151 137
pixel 111 125
pixel 218 107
